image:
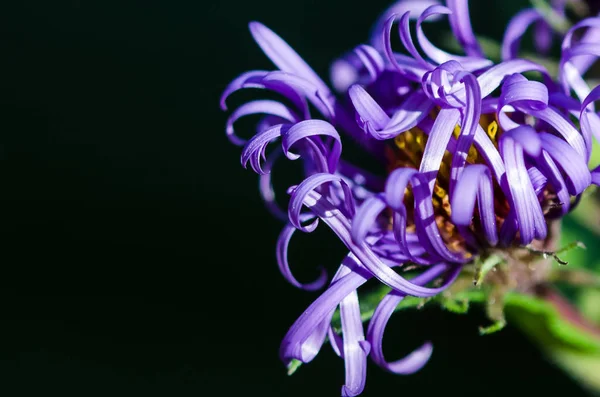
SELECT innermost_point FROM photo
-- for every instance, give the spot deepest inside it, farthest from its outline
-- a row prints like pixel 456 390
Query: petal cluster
pixel 501 149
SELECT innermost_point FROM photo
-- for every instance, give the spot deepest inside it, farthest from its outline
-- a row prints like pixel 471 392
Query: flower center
pixel 407 150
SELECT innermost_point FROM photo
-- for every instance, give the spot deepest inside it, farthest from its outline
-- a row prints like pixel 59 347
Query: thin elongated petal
pixel 282 261
pixel 515 30
pixel 284 57
pixel 577 175
pixel 256 79
pixel 257 107
pixel 439 56
pixel 564 127
pixel 414 8
pixel 254 150
pixel 265 187
pixel 414 361
pixel 470 122
pixel 461 26
pixel 341 227
pixel 590 122
pixel 475 182
pixel 366 107
pixel 356 348
pixel 313 128
pixel 525 205
pixel 437 143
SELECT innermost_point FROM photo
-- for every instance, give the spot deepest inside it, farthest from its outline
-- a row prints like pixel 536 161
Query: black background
pixel 136 256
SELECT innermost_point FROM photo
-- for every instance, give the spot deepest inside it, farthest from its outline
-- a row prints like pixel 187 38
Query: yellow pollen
pixel 492 130
pixel 407 151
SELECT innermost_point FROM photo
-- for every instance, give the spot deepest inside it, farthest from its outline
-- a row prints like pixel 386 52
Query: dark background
pixel 136 256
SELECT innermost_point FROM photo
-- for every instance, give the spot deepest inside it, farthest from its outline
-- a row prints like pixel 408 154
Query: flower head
pixel 481 158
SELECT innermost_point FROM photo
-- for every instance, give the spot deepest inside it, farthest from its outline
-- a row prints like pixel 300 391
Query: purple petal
pixel 282 261
pixel 596 176
pixel 524 202
pixel 461 26
pixel 266 190
pixel 564 127
pixel 340 225
pixel 577 175
pixel 437 143
pixel 528 138
pixel 439 56
pixel 552 174
pixel 254 150
pixel 592 35
pixel 307 186
pixel 407 41
pixel 257 107
pixel 284 57
pixel 239 83
pixel 307 87
pixel 366 216
pixel 255 79
pixel 475 182
pixel 313 128
pixel 590 122
pixel 356 348
pixel 515 30
pixel 414 361
pixel 470 122
pixel 491 78
pixel 366 107
pixel 413 7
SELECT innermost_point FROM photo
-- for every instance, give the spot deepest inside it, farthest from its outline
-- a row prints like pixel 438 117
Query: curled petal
pixel 577 175
pixel 371 60
pixel 528 138
pixel 439 56
pixel 303 340
pixel 553 175
pixel 538 180
pixel 414 361
pixel 437 143
pixel 340 225
pixel 256 79
pixel 475 182
pixel 269 107
pixel 313 128
pixel 407 41
pixel 266 190
pixel 413 7
pixel 515 30
pixel 461 26
pixel 427 229
pixel 592 35
pixel 307 87
pixel 366 107
pixel 590 122
pixel 491 78
pixel 282 261
pixel 564 127
pixel 239 83
pixel 255 149
pixel 284 57
pixel 301 192
pixel 366 216
pixel 470 122
pixel 356 348
pixel 524 203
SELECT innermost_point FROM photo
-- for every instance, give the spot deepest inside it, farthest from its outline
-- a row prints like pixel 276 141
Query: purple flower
pixel 480 157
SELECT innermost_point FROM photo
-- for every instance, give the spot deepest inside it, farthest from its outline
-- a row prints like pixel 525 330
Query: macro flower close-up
pixel 475 155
